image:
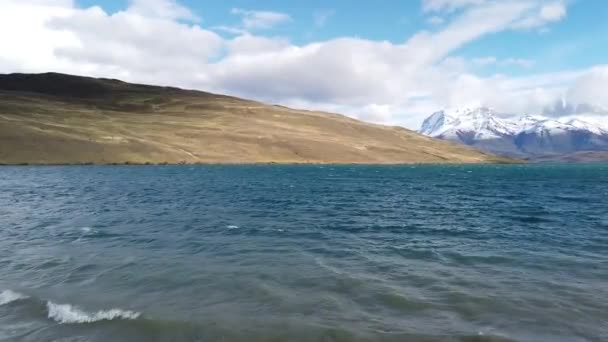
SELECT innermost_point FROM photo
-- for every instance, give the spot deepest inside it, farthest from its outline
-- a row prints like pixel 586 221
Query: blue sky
pixel 388 61
pixel 575 42
pixel 389 20
pixel 572 43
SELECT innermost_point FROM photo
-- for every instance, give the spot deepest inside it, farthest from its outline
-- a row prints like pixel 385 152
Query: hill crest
pixel 63 119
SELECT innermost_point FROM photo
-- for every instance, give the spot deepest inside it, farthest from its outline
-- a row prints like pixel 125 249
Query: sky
pixel 391 62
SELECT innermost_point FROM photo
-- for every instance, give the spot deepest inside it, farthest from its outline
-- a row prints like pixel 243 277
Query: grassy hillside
pixel 62 119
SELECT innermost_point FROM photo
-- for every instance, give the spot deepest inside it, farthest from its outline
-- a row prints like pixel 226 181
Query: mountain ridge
pixel 524 137
pixel 55 118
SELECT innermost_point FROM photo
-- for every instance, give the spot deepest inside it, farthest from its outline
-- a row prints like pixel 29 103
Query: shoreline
pixel 515 162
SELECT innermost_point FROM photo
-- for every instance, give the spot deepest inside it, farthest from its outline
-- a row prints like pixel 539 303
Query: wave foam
pixel 8 296
pixel 66 314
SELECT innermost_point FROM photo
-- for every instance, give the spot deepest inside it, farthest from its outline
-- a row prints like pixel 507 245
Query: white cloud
pixel 133 42
pixel 553 11
pixel 590 88
pixel 169 9
pixel 32 49
pixel 472 24
pixel 484 61
pixel 50 3
pixel 260 19
pixel 542 15
pixel 376 112
pixel 493 61
pixel 448 5
pixel 373 80
pixel 521 62
pixel 508 95
pixel 539 13
pixel 230 29
pixel 435 20
pixel 247 44
pixel 127 44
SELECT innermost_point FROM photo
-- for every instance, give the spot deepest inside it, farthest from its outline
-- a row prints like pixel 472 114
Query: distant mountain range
pixel 528 137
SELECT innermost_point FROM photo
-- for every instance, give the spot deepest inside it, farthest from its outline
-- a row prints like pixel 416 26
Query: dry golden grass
pixel 60 119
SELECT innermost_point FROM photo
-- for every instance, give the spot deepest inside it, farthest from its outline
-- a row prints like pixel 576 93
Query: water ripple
pixel 341 253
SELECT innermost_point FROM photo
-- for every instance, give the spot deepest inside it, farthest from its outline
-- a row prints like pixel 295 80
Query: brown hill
pixel 62 119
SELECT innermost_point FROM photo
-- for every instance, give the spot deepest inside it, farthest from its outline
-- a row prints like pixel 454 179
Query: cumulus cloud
pixel 27 43
pixel 135 44
pixel 247 45
pixel 162 42
pixel 590 88
pixel 169 9
pixel 507 95
pixel 553 11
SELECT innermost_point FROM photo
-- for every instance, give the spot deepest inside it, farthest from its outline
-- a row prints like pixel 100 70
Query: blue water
pixel 304 253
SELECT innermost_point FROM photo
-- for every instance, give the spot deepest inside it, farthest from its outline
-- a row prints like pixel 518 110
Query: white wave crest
pixel 8 296
pixel 66 314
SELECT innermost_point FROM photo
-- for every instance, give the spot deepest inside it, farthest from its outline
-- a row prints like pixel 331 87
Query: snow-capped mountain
pixel 584 125
pixel 526 136
pixel 480 121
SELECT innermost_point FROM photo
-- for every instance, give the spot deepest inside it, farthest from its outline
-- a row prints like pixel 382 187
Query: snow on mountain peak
pixel 484 123
pixel 435 123
pixel 527 136
pixel 481 121
pixel 584 125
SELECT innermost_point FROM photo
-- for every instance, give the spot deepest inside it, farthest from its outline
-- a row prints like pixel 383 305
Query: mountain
pixel 62 119
pixel 577 157
pixel 526 137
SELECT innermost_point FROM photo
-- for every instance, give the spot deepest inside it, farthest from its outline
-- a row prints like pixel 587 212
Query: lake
pixel 304 253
